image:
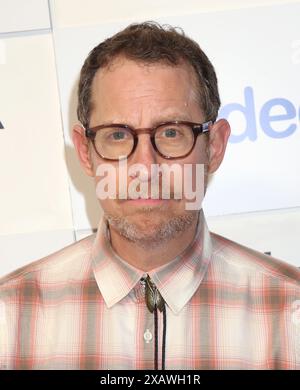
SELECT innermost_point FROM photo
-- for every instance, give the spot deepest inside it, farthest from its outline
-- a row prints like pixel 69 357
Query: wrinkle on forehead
pixel 137 87
pixel 120 60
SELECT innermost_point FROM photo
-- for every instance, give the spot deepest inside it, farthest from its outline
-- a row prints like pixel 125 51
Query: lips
pixel 146 200
pixel 140 198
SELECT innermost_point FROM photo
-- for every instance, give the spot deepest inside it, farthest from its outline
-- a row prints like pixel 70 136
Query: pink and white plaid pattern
pixel 228 307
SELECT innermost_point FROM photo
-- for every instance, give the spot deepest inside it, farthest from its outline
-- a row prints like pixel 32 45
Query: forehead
pixel 124 78
pixel 141 95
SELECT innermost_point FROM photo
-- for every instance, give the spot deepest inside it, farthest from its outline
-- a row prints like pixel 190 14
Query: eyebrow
pixel 172 117
pixel 166 118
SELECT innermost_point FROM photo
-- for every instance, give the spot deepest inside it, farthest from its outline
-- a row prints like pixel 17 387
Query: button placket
pixel 148 336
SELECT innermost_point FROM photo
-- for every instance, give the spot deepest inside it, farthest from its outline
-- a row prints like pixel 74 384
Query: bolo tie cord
pixel 155 301
pixel 163 354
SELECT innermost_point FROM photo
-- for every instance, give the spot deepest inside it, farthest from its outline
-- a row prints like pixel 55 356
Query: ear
pixel 82 146
pixel 218 138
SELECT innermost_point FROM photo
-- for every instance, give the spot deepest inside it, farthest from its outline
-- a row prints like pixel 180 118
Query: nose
pixel 145 155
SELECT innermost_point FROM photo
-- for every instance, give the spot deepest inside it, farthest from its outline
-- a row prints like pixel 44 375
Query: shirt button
pixel 147 336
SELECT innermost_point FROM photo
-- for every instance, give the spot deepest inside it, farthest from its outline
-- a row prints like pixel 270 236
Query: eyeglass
pixel 171 140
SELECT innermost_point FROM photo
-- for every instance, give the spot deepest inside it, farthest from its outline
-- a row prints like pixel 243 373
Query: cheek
pixel 196 165
pixel 105 180
pixel 109 206
pixel 199 154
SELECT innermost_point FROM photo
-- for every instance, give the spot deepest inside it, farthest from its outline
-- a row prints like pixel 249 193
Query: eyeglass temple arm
pixel 203 128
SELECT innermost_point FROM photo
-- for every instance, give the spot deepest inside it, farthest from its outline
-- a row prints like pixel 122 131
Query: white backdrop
pixel 261 167
pixel 47 202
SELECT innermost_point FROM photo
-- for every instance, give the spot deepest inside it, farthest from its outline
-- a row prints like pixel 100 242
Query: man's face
pixel 143 96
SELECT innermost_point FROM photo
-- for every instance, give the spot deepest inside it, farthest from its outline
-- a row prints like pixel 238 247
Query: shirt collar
pixel 177 280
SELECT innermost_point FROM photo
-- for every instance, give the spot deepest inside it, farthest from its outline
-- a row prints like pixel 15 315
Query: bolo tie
pixel 154 302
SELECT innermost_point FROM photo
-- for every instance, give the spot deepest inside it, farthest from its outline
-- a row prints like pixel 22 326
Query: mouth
pixel 146 201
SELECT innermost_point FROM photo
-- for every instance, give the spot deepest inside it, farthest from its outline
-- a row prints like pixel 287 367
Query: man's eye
pixel 118 135
pixel 171 133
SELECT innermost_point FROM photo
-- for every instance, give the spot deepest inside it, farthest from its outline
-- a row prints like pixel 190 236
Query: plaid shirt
pixel 83 307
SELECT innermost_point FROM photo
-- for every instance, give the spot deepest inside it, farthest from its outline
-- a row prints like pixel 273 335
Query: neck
pixel 147 259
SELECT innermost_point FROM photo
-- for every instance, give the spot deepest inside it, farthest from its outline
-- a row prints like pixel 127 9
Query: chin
pixel 146 221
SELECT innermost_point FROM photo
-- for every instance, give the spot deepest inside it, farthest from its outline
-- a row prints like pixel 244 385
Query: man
pixel 153 288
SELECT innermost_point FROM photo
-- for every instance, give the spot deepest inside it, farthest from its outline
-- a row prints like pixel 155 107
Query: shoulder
pixel 244 262
pixel 70 262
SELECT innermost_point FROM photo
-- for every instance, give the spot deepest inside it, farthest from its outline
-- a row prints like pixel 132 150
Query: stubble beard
pixel 159 234
pixel 164 232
